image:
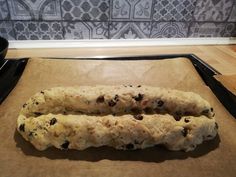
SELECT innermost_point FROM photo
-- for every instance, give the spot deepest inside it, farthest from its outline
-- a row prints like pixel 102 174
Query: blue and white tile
pixel 173 10
pixel 205 29
pixel 232 17
pixel 169 30
pixel 4 13
pixel 129 30
pixel 136 10
pixel 229 30
pixel 6 30
pixel 35 9
pixel 213 10
pixel 31 30
pixel 86 10
pixel 86 30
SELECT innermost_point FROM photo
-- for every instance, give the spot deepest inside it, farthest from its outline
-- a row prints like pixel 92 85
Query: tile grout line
pixel 62 25
pixel 118 21
pixel 8 8
pixel 191 22
pixel 109 34
pixel 193 17
pixel 109 17
pixel 152 20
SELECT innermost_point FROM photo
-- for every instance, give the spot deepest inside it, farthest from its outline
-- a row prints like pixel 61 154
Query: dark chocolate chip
pixel 65 144
pixel 186 120
pixel 32 134
pixel 206 111
pixel 130 85
pixel 160 103
pixel 64 112
pixel 111 103
pixel 138 117
pixel 213 114
pixel 38 113
pixel 100 99
pixel 178 115
pixel 53 121
pixel 212 109
pixel 42 92
pixel 148 110
pixel 177 118
pixel 116 98
pixel 114 114
pixel 36 103
pixel 139 97
pixel 216 126
pixel 129 146
pixel 22 127
pixel 136 110
pixel 184 132
pixel 209 136
pixel 139 86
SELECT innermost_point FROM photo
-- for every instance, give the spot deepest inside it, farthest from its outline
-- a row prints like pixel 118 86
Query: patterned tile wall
pixel 116 19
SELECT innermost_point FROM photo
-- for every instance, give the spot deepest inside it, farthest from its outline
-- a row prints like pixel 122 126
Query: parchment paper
pixel 19 158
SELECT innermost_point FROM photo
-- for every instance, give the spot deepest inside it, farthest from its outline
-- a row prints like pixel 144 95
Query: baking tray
pixel 11 71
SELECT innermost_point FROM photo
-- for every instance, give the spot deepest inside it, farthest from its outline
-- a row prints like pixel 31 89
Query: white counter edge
pixel 119 42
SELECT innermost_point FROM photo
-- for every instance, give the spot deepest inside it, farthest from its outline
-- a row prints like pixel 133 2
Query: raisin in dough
pixel 116 100
pixel 123 132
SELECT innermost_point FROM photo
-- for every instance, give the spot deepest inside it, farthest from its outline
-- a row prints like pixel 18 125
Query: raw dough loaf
pixel 123 132
pixel 82 117
pixel 116 100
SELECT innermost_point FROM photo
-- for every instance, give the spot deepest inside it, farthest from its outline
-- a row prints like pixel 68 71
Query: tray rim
pixel 205 71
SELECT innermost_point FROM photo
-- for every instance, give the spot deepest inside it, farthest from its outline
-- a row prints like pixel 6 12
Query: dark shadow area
pixel 154 154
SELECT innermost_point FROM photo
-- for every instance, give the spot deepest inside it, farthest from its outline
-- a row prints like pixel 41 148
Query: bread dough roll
pixel 123 132
pixel 116 100
pixel 123 117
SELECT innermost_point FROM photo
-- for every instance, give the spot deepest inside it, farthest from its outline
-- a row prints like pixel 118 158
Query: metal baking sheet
pixel 19 158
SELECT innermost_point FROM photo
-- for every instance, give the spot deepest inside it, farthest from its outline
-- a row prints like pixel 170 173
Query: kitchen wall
pixel 116 19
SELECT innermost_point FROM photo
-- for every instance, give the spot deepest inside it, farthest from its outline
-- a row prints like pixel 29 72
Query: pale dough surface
pixel 123 132
pixel 123 117
pixel 117 100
